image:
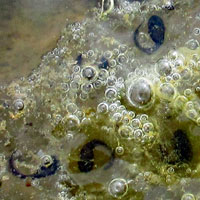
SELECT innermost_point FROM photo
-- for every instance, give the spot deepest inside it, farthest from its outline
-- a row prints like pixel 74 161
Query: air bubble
pixel 19 104
pixel 111 80
pixel 187 92
pixel 74 85
pixel 76 69
pixel 46 160
pixel 111 93
pixel 87 88
pixel 119 150
pixel 72 122
pixel 103 74
pixel 167 91
pixel 97 84
pixel 108 54
pixel 147 127
pixel 196 31
pixel 188 196
pixel 192 44
pixel 102 108
pixel 136 123
pixel 163 68
pixel 125 132
pixel 139 93
pixel 83 96
pixel 88 73
pixel 90 53
pixel 138 133
pixel 118 188
pixel 122 59
pixel 72 108
pixel 117 117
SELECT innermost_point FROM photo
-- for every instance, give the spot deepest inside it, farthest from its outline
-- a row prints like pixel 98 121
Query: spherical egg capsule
pixel 118 188
pixel 139 93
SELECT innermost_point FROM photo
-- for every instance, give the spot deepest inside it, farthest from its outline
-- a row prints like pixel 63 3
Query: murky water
pixel 30 28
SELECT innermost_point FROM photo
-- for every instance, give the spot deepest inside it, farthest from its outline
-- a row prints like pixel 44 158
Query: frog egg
pixel 188 196
pixel 118 188
pixel 163 67
pixel 111 93
pixel 167 91
pixel 119 150
pixel 88 73
pixel 139 93
pixel 102 108
pixel 125 132
pixel 18 104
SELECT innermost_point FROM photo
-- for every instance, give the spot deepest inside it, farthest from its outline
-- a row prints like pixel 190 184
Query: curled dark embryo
pixel 156 30
pixel 86 162
pixel 42 172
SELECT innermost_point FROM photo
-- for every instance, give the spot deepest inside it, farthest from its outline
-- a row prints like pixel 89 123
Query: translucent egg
pixel 139 93
pixel 118 187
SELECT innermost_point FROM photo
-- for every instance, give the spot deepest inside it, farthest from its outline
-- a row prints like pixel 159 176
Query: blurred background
pixel 31 28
